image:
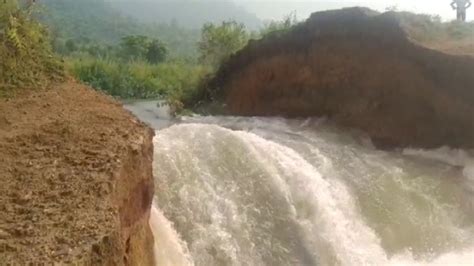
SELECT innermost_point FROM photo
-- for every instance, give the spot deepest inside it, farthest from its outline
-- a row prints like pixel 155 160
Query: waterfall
pixel 272 191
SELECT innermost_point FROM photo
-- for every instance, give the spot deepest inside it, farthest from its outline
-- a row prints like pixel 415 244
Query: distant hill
pixel 102 22
pixel 176 22
pixel 187 13
pixel 92 19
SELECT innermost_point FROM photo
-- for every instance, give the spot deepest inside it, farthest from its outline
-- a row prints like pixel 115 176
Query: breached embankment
pixel 76 182
pixel 276 191
pixel 359 69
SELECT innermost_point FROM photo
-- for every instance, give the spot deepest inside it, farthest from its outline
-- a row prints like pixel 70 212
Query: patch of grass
pixel 176 81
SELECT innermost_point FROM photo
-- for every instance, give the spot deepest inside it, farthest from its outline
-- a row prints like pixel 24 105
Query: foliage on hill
pixel 131 48
pixel 135 68
pixel 218 42
pixel 98 24
pixel 26 56
pixel 130 59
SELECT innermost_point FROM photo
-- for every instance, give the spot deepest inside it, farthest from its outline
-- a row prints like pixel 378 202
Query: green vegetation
pixel 219 42
pixel 175 81
pixel 119 55
pixel 137 67
pixel 26 55
pixel 97 23
pixel 140 47
pixel 130 59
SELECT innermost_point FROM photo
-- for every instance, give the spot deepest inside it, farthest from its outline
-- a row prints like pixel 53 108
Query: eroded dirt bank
pixel 359 69
pixel 76 181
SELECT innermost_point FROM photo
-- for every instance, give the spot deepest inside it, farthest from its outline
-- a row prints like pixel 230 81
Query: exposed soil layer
pixel 75 180
pixel 359 69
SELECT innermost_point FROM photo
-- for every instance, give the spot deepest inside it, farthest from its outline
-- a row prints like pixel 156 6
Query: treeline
pixel 140 67
pixel 97 24
pixel 130 48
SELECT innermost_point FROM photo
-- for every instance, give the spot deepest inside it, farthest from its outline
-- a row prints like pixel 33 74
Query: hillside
pixel 100 22
pixel 176 23
pixel 95 20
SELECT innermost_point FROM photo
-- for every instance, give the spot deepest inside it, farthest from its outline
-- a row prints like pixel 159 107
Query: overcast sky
pixel 269 9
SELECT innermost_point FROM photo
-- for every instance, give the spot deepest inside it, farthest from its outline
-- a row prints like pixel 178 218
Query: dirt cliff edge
pixel 359 69
pixel 76 181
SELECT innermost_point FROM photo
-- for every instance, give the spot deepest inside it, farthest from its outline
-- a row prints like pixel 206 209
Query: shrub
pixel 219 42
pixel 142 48
pixel 175 81
pixel 26 55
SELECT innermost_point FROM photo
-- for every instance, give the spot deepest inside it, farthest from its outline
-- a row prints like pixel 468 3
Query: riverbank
pixel 76 183
pixel 361 70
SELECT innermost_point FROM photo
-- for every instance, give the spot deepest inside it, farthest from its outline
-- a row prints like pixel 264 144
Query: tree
pixel 139 47
pixel 156 52
pixel 284 25
pixel 71 46
pixel 219 42
pixel 133 47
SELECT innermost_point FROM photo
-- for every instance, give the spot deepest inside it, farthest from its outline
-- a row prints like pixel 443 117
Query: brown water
pixel 269 191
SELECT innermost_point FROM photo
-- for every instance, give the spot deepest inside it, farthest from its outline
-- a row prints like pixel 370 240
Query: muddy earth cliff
pixel 76 181
pixel 359 69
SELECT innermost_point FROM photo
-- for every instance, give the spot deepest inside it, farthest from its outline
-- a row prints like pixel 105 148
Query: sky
pixel 276 9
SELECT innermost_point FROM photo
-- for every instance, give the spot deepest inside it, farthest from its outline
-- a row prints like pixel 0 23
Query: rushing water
pixel 255 191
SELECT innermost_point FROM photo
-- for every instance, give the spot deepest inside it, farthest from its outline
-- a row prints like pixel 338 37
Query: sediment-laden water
pixel 269 191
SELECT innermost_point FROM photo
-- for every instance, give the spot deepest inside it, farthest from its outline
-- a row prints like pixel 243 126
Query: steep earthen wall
pixel 76 181
pixel 359 69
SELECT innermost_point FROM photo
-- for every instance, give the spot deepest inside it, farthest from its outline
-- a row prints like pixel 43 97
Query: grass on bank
pixel 173 81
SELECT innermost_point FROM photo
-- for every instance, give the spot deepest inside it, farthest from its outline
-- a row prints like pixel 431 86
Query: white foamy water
pixel 290 192
pixel 169 249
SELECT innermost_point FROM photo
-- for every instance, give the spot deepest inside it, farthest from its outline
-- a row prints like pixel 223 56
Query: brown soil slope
pixel 359 69
pixel 453 37
pixel 75 180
